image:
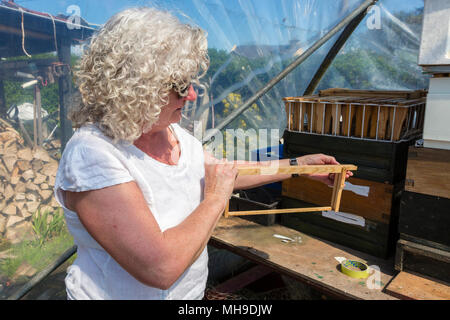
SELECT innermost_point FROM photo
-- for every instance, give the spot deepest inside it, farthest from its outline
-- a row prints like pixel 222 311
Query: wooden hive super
pixel 371 129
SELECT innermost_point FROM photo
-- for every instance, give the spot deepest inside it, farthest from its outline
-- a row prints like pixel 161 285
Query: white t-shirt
pixel 91 161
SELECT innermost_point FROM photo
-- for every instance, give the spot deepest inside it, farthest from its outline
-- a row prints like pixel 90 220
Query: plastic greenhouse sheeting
pixel 252 41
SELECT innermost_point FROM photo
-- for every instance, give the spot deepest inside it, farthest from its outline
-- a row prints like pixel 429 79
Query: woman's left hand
pixel 318 159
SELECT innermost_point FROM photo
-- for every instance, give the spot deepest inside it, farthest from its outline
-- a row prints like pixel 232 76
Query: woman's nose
pixel 192 95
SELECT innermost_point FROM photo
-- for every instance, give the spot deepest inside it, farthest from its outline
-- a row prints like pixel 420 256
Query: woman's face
pixel 171 113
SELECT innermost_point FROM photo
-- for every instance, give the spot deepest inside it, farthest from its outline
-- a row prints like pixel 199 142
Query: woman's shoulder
pixel 89 136
pixel 89 142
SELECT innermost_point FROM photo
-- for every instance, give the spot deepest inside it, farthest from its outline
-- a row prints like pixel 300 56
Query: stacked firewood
pixel 27 177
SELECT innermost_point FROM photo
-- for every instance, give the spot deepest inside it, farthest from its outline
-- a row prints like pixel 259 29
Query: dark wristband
pixel 293 162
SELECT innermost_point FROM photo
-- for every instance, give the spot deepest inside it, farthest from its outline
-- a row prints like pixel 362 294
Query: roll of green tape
pixel 355 269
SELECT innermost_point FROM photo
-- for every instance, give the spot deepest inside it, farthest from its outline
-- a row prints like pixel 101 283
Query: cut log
pixel 36 165
pixel 40 178
pixel 54 203
pixel 50 168
pixel 41 154
pixel 51 180
pixel 27 175
pixel 7 136
pixel 12 220
pixel 32 206
pixel 10 210
pixel 22 231
pixel 44 186
pixel 23 165
pixel 2 224
pixel 19 206
pixel 9 161
pixel 2 188
pixel 45 194
pixel 15 176
pixel 46 208
pixel 25 154
pixel 9 192
pixel 20 196
pixel 3 172
pixel 10 148
pixel 31 196
pixel 31 186
pixel 20 187
pixel 2 205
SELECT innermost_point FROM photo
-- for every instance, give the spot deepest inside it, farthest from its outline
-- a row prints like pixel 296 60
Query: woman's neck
pixel 160 144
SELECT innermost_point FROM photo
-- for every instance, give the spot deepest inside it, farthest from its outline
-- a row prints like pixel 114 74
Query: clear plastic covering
pixel 250 42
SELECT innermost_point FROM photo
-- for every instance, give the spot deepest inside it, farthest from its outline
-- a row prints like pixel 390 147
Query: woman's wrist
pixel 301 161
pixel 216 201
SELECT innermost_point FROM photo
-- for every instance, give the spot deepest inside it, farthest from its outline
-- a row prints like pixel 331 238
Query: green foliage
pixel 47 225
pixel 52 239
pixel 34 254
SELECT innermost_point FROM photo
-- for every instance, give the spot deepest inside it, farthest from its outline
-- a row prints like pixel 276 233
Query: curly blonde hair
pixel 131 65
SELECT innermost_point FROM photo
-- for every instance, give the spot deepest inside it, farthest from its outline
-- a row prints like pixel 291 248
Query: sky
pixel 233 22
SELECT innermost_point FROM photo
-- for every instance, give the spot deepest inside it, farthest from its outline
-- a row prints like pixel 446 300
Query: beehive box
pixel 366 221
pixel 371 129
pixel 425 205
pixel 364 114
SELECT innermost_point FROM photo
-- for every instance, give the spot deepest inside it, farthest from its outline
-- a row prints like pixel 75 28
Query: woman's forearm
pixel 187 240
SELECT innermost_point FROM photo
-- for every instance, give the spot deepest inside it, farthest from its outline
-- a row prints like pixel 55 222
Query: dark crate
pixel 423 259
pixel 376 160
pixel 375 238
pixel 261 198
pixel 426 217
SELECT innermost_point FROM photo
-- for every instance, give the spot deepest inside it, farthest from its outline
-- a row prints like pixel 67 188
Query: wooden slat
pixel 338 186
pixel 277 211
pixel 374 93
pixel 412 287
pixel 428 171
pixel 309 169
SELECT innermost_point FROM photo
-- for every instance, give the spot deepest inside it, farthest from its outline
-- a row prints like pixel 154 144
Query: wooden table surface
pixel 307 259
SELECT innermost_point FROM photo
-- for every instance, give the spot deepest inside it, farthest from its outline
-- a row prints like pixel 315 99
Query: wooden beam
pixel 3 107
pixel 277 211
pixel 408 286
pixel 28 33
pixel 65 91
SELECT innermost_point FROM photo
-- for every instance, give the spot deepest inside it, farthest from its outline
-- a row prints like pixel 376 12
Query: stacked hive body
pixel 27 176
pixel 424 245
pixel 371 129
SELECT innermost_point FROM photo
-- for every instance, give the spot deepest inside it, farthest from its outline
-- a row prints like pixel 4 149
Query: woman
pixel 140 198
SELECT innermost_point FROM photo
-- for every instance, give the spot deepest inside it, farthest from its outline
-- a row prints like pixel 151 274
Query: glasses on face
pixel 182 91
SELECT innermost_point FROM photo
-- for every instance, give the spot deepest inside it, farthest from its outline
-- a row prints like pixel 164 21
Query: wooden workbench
pixel 307 259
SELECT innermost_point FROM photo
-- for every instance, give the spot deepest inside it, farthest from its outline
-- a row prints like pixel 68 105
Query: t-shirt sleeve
pixel 91 167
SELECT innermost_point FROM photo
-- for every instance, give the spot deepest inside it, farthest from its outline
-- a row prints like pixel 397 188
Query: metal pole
pixel 334 51
pixel 43 274
pixel 288 69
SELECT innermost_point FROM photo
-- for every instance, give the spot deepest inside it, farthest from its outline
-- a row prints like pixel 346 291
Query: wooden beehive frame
pixel 366 114
pixel 339 180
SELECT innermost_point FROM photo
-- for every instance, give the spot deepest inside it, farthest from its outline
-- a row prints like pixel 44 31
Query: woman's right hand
pixel 220 176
